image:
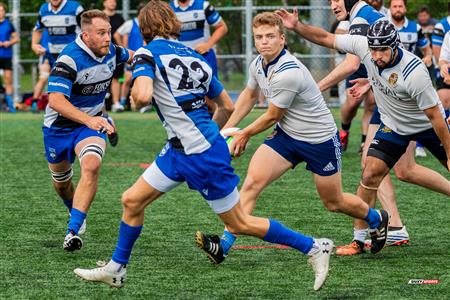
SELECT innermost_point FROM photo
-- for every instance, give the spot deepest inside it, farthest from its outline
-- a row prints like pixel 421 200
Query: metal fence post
pixel 248 35
pixel 126 9
pixel 320 18
pixel 16 50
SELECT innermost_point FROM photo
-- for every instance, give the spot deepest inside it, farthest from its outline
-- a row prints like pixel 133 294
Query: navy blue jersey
pixel 61 24
pixel 195 19
pixel 440 29
pixel 83 78
pixel 6 29
pixel 181 80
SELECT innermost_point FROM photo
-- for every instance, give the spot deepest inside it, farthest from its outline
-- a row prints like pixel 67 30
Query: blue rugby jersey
pixel 83 78
pixel 362 17
pixel 181 80
pixel 6 29
pixel 61 24
pixel 440 29
pixel 195 19
pixel 411 36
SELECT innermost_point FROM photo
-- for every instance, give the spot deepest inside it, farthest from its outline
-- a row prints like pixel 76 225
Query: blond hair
pixel 158 19
pixel 268 18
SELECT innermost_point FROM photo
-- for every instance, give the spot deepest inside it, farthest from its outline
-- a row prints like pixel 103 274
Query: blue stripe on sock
pixel 76 220
pixel 373 218
pixel 226 241
pixel 280 234
pixel 127 236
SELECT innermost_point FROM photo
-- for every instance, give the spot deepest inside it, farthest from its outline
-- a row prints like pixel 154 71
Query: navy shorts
pixel 323 159
pixel 60 144
pixel 389 146
pixel 209 172
pixel 5 63
pixel 376 118
pixel 360 73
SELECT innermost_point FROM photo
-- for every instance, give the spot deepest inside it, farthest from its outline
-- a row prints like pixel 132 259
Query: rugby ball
pixel 229 139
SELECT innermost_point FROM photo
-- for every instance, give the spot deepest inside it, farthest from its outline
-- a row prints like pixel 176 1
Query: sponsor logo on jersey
pixel 386 129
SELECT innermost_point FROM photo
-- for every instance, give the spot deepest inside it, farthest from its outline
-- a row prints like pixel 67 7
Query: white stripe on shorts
pixel 225 204
pixel 156 178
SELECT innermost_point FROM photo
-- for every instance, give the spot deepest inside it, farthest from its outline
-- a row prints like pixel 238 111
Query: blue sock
pixel 123 101
pixel 280 234
pixel 127 236
pixel 10 103
pixel 226 241
pixel 69 204
pixel 373 218
pixel 76 220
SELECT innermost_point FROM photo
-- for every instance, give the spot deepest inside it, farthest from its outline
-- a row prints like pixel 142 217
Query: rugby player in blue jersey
pixel 73 125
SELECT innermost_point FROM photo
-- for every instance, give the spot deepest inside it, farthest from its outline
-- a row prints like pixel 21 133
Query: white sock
pixel 360 234
pixel 315 248
pixel 114 267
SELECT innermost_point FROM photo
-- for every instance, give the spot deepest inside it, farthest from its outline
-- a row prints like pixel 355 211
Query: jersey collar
pixel 356 9
pixel 83 46
pixel 177 5
pixel 273 62
pixel 59 8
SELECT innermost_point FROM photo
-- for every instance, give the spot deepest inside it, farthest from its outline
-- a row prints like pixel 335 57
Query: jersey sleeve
pixel 252 83
pixel 122 54
pixel 420 87
pixel 445 50
pixel 285 87
pixel 39 25
pixel 215 88
pixel 143 64
pixel 353 44
pixel 125 28
pixel 62 76
pixel 211 15
pixel 438 35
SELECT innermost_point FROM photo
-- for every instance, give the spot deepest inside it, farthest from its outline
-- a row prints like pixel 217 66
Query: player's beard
pixel 398 17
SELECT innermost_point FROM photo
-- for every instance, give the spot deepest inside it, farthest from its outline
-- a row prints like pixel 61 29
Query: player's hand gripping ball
pixel 228 138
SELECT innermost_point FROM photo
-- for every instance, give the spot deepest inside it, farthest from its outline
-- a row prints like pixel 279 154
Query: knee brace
pixel 91 149
pixel 62 176
pixel 368 187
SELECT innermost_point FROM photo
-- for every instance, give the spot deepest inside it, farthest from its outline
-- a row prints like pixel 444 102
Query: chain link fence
pixel 234 52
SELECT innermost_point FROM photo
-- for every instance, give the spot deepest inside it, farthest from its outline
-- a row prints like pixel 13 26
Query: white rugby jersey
pixel 287 83
pixel 402 90
pixel 445 50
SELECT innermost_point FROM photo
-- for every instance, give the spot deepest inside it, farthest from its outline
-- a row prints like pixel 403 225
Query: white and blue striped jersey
pixel 361 17
pixel 403 90
pixel 287 83
pixel 62 25
pixel 83 78
pixel 181 80
pixel 195 19
pixel 411 36
pixel 445 50
pixel 440 29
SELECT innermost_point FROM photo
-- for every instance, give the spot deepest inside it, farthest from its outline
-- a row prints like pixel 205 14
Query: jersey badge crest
pixel 393 79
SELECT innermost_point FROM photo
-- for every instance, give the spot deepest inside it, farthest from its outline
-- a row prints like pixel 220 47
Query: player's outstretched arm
pixel 59 103
pixel 313 34
pixel 142 91
pixel 346 68
pixel 244 104
pixel 441 129
pixel 224 109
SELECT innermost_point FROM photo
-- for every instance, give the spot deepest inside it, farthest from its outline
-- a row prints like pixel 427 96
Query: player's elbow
pixel 141 97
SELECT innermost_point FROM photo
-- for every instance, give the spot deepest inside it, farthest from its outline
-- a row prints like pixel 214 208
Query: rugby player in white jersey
pixel 409 105
pixel 305 130
pixel 406 169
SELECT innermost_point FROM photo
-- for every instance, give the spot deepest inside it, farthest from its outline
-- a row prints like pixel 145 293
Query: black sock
pixel 392 228
pixel 346 127
pixel 363 138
